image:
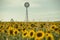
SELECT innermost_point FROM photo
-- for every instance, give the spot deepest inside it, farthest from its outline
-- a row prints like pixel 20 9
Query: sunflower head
pixel 15 32
pixel 23 30
pixel 52 27
pixel 37 39
pixel 1 31
pixel 9 28
pixel 24 34
pixel 31 33
pixel 19 29
pixel 1 26
pixel 16 26
pixel 56 29
pixel 5 31
pixel 10 31
pixel 39 34
pixel 49 36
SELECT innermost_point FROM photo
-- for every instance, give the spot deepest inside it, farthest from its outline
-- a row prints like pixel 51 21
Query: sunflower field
pixel 29 30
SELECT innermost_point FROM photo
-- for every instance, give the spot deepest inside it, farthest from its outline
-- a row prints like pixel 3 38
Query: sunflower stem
pixel 6 38
pixel 27 38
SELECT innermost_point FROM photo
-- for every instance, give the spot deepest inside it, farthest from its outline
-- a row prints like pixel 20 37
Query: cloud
pixel 39 9
pixel 18 3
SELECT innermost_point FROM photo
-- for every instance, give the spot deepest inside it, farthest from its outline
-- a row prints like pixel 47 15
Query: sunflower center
pixel 25 33
pixel 56 29
pixel 59 30
pixel 16 26
pixel 49 38
pixel 41 26
pixel 24 29
pixel 31 33
pixel 48 31
pixel 0 30
pixel 19 29
pixel 32 25
pixel 11 31
pixel 39 34
pixel 5 31
pixel 53 27
pixel 1 27
pixel 15 32
pixel 20 24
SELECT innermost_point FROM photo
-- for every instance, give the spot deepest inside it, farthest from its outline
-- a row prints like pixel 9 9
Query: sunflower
pixel 19 29
pixel 56 29
pixel 16 26
pixel 37 39
pixel 52 27
pixel 25 34
pixel 23 30
pixel 33 24
pixel 10 31
pixel 22 24
pixel 41 26
pixel 7 25
pixel 1 26
pixel 15 32
pixel 48 31
pixel 49 36
pixel 9 28
pixel 1 31
pixel 31 33
pixel 39 34
pixel 28 25
pixel 4 31
pixel 59 31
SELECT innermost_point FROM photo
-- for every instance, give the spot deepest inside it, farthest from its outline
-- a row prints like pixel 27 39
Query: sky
pixel 39 10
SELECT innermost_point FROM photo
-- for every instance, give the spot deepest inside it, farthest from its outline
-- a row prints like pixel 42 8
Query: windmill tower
pixel 26 5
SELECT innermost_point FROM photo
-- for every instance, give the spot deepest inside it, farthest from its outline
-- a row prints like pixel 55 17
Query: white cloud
pixel 40 9
pixel 18 3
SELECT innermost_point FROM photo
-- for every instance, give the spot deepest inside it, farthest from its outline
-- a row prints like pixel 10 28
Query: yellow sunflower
pixel 16 26
pixel 48 31
pixel 52 27
pixel 5 31
pixel 49 36
pixel 28 25
pixel 7 25
pixel 1 31
pixel 19 29
pixel 15 32
pixel 56 30
pixel 59 31
pixel 33 25
pixel 9 28
pixel 31 33
pixel 10 31
pixel 2 26
pixel 23 30
pixel 39 35
pixel 25 33
pixel 37 39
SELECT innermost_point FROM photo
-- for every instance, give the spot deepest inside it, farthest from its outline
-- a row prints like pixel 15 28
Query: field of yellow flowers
pixel 29 30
